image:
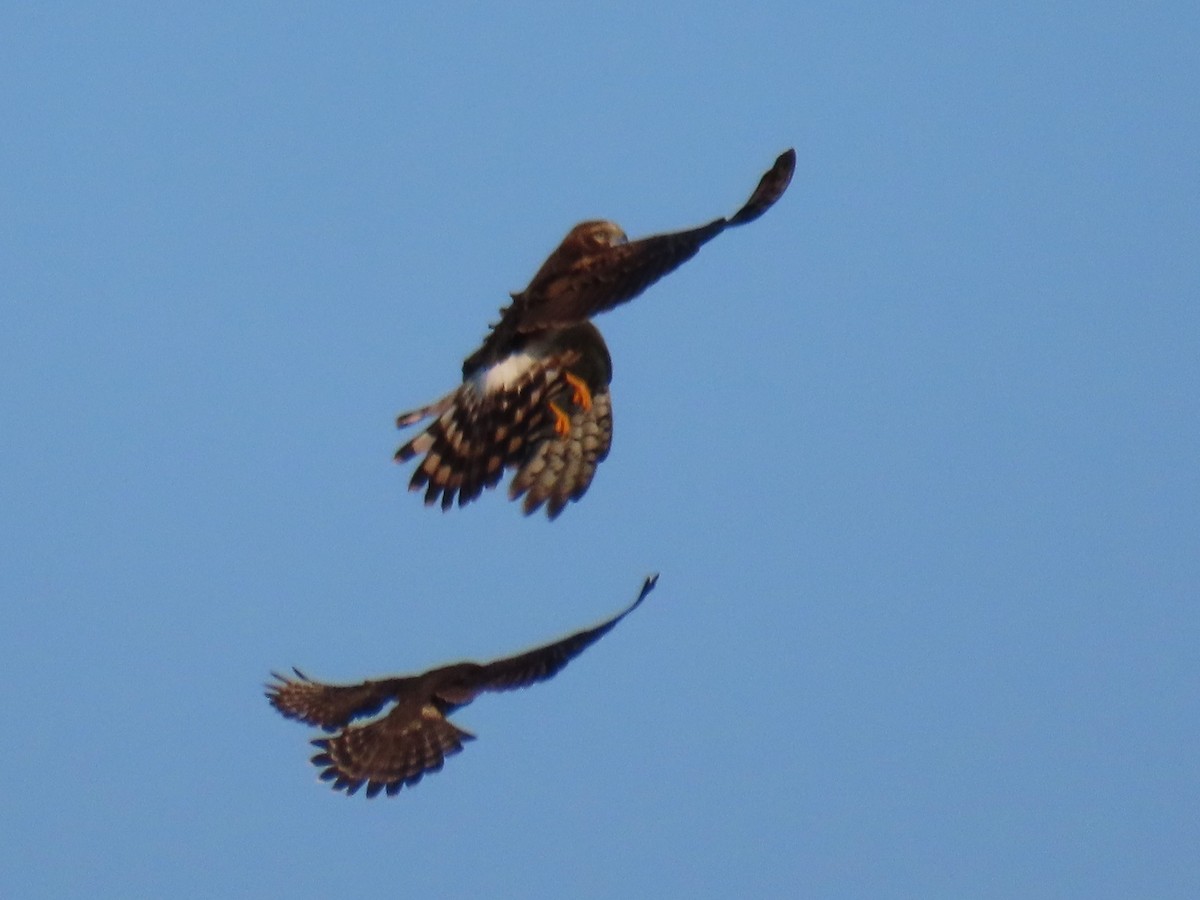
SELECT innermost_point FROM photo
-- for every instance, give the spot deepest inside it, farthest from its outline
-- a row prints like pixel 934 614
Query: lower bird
pixel 414 737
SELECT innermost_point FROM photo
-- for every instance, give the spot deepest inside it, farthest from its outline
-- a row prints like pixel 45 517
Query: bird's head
pixel 584 241
pixel 590 236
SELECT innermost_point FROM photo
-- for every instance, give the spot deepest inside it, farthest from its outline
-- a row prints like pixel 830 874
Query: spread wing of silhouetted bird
pixel 414 736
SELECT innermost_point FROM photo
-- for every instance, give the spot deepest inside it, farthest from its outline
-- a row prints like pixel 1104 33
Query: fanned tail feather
pixel 560 470
pixel 436 408
pixel 477 436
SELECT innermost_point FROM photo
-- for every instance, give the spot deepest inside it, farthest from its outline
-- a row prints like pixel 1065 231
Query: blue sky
pixel 916 453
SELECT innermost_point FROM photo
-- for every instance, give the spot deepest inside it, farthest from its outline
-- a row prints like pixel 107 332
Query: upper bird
pixel 535 396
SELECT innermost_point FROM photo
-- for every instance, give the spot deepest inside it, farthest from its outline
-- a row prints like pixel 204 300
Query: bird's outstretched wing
pixel 329 706
pixel 414 737
pixel 590 282
pixel 547 661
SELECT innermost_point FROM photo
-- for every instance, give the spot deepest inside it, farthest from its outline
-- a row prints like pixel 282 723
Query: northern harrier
pixel 535 396
pixel 415 736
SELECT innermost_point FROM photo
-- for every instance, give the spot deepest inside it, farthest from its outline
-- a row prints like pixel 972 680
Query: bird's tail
pixel 559 468
pixel 438 407
pixel 474 438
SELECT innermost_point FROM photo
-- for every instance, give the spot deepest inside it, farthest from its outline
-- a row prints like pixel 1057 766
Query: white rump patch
pixel 506 373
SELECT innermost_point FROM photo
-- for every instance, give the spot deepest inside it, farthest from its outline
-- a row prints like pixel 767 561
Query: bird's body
pixel 414 737
pixel 535 394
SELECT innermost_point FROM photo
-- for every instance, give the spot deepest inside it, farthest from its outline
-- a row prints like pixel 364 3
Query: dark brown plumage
pixel 414 737
pixel 535 394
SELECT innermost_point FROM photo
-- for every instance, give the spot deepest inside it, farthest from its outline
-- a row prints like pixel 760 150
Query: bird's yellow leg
pixel 581 397
pixel 562 422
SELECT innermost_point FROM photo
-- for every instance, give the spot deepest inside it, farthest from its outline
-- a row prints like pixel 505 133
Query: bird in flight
pixel 534 396
pixel 414 736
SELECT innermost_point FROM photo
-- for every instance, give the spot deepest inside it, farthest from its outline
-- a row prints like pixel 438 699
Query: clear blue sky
pixel 917 454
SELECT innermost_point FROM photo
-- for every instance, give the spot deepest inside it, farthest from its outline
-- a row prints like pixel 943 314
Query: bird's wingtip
pixel 770 188
pixel 647 587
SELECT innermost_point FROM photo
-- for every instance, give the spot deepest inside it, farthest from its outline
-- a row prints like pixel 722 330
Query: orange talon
pixel 562 422
pixel 582 397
